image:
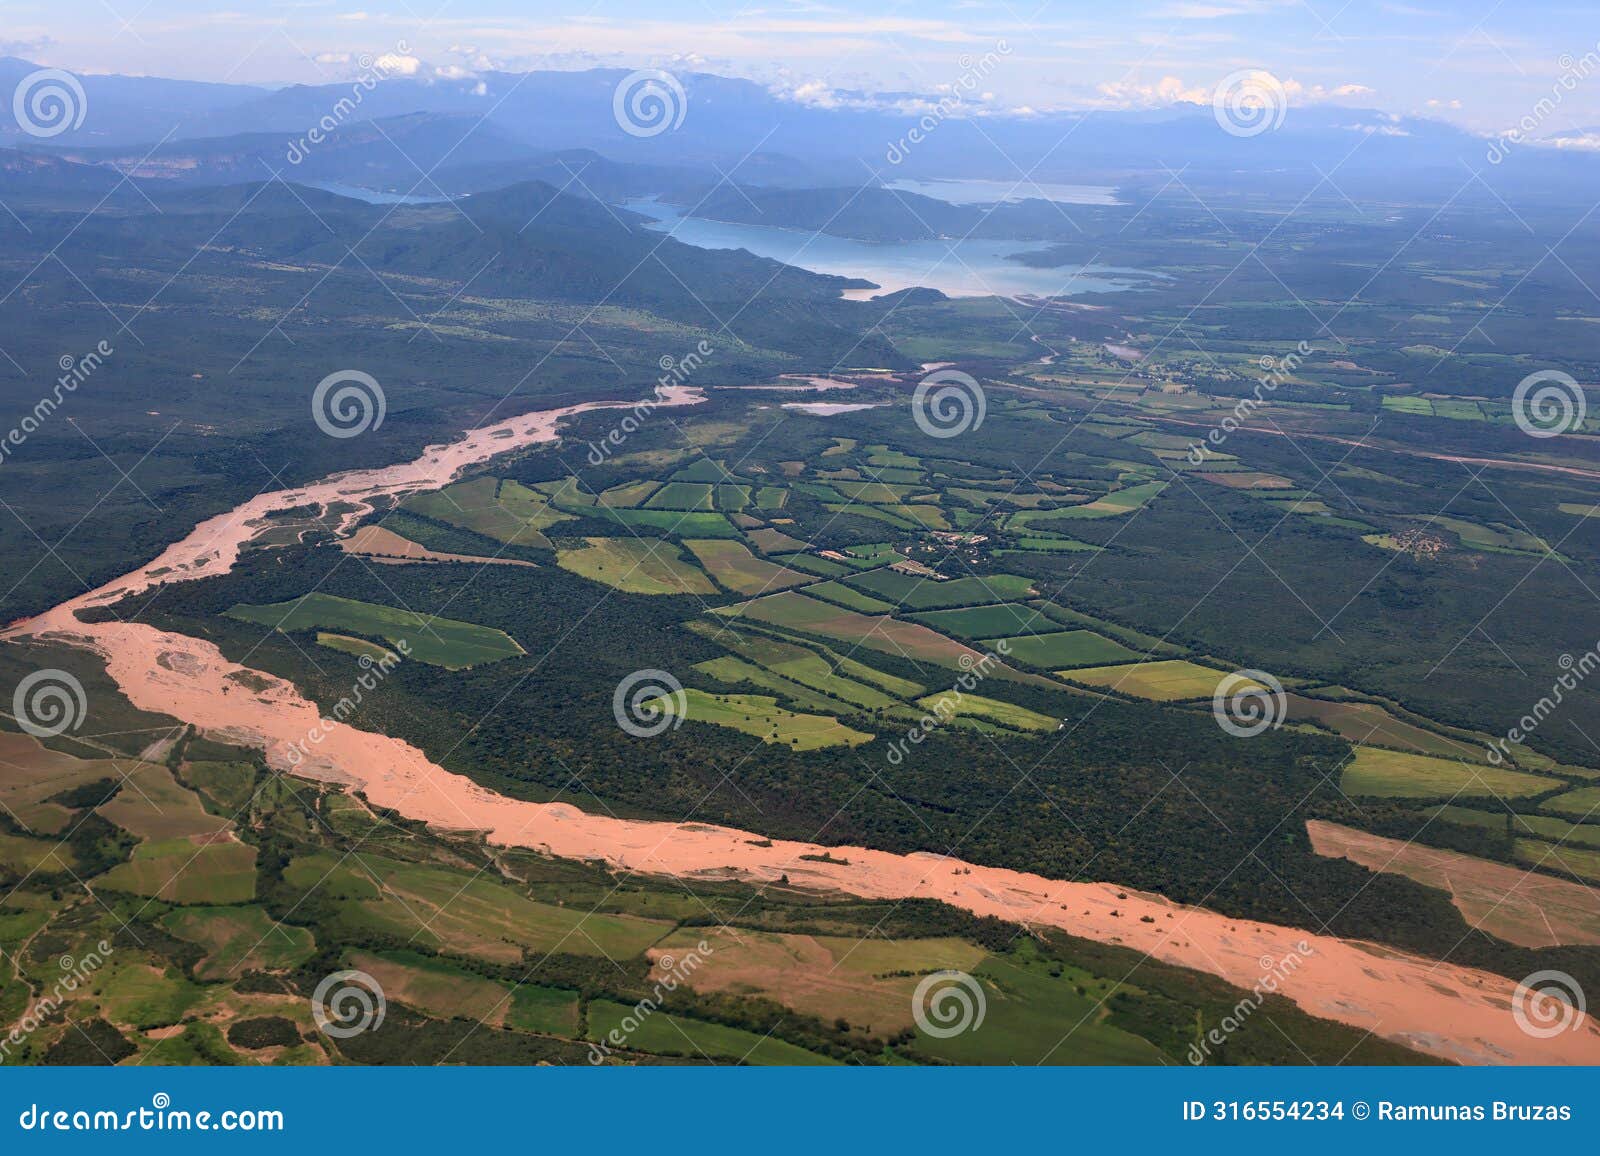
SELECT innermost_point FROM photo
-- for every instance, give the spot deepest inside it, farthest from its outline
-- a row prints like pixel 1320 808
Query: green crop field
pixel 952 704
pixel 507 512
pixel 1367 723
pixel 886 635
pixel 1063 649
pixel 1582 804
pixel 685 524
pixel 1163 680
pixel 1585 864
pixel 915 593
pixel 1396 774
pixel 760 715
pixel 636 566
pixel 827 672
pixel 357 647
pixel 842 595
pixel 1544 826
pixel 770 540
pixel 682 496
pixel 736 671
pixel 978 622
pixel 438 641
pixel 732 565
pixel 179 871
pixel 1028 1014
pixel 238 939
pixel 471 913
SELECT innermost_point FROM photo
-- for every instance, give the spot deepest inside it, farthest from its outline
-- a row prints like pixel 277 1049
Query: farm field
pixel 1580 861
pixel 867 981
pixel 1582 803
pixel 978 622
pixel 239 939
pixel 1388 774
pixel 181 871
pixel 154 806
pixel 356 647
pixel 992 710
pixel 924 594
pixel 474 915
pixel 31 774
pixel 507 512
pixel 887 635
pixel 1546 827
pixel 1163 680
pixel 733 566
pixel 438 988
pixel 761 716
pixel 636 566
pixel 1367 723
pixel 442 642
pixel 381 544
pixel 1063 649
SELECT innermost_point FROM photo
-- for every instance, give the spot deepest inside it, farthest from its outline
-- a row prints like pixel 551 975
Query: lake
pixel 971 267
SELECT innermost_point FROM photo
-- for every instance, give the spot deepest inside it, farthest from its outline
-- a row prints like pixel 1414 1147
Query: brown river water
pixel 1448 1011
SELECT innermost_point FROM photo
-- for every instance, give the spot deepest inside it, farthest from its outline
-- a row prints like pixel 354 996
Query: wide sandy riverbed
pixel 1448 1011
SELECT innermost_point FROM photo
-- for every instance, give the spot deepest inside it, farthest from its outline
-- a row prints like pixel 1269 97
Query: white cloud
pixel 1171 90
pixel 396 65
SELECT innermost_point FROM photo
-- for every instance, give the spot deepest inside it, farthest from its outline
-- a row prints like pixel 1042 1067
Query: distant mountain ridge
pixel 493 122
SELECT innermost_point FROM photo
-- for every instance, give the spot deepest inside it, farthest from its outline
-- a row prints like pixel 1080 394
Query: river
pixel 1442 1009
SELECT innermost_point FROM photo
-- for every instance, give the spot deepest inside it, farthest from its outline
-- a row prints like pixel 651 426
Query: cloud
pixel 395 64
pixel 1168 90
pixel 1171 90
pixel 1583 142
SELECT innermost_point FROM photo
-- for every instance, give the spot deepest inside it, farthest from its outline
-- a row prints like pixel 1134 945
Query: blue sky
pixel 1480 63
